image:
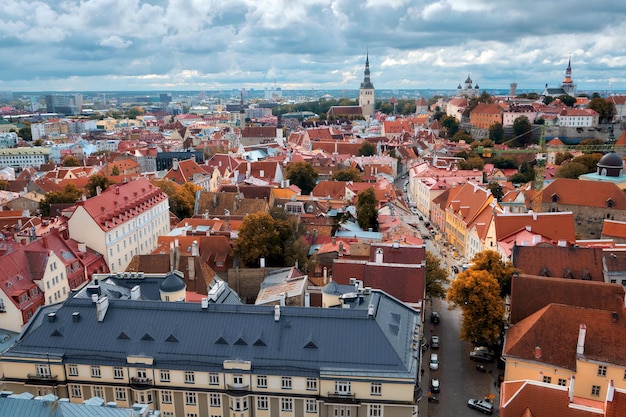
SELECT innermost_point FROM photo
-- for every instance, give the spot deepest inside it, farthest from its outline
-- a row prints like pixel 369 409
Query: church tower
pixel 366 92
pixel 568 84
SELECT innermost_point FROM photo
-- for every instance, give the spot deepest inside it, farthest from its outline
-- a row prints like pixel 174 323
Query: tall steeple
pixel 568 84
pixel 366 92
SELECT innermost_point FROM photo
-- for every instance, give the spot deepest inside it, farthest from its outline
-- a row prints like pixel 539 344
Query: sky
pixel 163 45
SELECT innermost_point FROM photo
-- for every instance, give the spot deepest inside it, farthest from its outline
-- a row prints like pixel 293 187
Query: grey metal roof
pixel 304 341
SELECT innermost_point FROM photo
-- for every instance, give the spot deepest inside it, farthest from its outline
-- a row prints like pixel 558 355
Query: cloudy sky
pixel 108 45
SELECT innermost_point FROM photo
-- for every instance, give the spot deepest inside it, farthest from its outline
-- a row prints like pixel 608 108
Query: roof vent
pixel 614 316
pixel 204 303
pixel 52 317
pixel 537 352
pixel 76 317
pixel 276 313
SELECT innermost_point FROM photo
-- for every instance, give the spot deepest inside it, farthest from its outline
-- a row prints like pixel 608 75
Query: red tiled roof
pixel 584 193
pixel 554 226
pixel 560 262
pixel 612 228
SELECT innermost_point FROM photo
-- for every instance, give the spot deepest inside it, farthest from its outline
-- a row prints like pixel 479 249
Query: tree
pixel 589 160
pixel 522 130
pixel 571 170
pixel 496 190
pixel 38 142
pixel 71 161
pixel 184 200
pixel 133 112
pixel 605 109
pixel 115 170
pixel 350 174
pixel 503 162
pixel 496 132
pixel 525 173
pixel 450 124
pixel 436 277
pixel 560 157
pixel 491 261
pixel 25 133
pixel 366 212
pixel 95 182
pixel 474 162
pixel 70 194
pixel 4 184
pixel 477 293
pixel 566 99
pixel 463 135
pixel 366 149
pixel 303 175
pixel 258 238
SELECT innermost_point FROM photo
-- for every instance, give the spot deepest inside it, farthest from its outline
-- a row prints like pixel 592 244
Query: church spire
pixel 367 83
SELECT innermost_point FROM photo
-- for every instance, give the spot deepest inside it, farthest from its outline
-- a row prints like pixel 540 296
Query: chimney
pixel 370 310
pixel 204 303
pixel 379 256
pixel 98 190
pixel 135 292
pixel 117 190
pixel 175 164
pixel 75 317
pixel 537 352
pixel 340 249
pixel 44 241
pixel 307 299
pixel 52 317
pixel 194 249
pixel 82 247
pixel 102 305
pixel 580 346
pixel 325 272
pixel 283 296
pixel 214 200
pixel 610 392
pixel 172 265
pixel 191 267
pixel 262 263
pixel 571 389
pixel 276 313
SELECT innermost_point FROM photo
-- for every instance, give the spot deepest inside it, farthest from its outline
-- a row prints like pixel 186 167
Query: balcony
pixel 137 382
pixel 341 397
pixel 237 387
pixel 42 379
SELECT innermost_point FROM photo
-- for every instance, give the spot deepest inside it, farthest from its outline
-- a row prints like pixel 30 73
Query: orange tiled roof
pixel 584 193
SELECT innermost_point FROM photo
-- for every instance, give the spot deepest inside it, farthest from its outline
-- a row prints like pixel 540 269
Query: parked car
pixel 434 317
pixel 483 406
pixel 455 269
pixel 434 385
pixel 434 342
pixel 481 354
pixel 434 362
pixel 419 216
pixel 414 211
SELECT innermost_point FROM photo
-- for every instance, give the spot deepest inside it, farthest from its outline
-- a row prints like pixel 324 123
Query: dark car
pixel 434 317
pixel 434 385
pixel 455 269
pixel 482 355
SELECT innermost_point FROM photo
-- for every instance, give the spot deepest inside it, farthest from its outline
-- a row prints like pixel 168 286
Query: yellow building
pixel 566 345
pixel 192 360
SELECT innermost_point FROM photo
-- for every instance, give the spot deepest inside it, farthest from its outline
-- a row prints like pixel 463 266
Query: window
pixel 215 400
pixel 167 413
pixel 286 382
pixel 547 379
pixel 341 411
pixel 375 410
pixel 72 370
pixel 286 404
pixel 595 390
pixel 191 398
pixel 75 391
pixel 239 404
pixel 95 371
pixel 166 397
pixel 342 387
pixel 261 381
pixel 311 384
pixel 214 378
pixel 141 373
pixel 261 403
pixel 118 372
pixel 165 375
pixel 601 370
pixel 120 394
pixel 376 388
pixel 191 415
pixel 238 380
pixel 98 392
pixel 562 382
pixel 311 406
pixel 43 370
pixel 189 377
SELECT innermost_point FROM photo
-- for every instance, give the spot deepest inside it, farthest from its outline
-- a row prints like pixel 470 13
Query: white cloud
pixel 114 41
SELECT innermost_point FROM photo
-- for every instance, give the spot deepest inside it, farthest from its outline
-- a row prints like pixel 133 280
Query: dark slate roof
pixel 304 341
pixel 49 406
pixel 172 283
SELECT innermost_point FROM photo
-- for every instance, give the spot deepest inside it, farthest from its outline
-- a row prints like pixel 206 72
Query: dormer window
pixel 610 203
pixel 555 198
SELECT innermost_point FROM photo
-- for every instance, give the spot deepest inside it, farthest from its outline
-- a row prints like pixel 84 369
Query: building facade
pixel 190 359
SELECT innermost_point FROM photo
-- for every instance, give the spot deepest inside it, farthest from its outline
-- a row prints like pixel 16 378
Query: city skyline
pixel 308 44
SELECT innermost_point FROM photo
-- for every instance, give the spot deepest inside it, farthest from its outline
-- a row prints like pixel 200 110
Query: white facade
pixel 54 283
pixel 24 157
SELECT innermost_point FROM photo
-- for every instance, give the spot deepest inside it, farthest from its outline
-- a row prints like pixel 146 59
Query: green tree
pixel 96 181
pixel 522 130
pixel 589 160
pixel 571 170
pixel 450 125
pixel 184 200
pixel 115 170
pixel 133 112
pixel 25 133
pixel 605 109
pixel 350 174
pixel 568 100
pixel 525 173
pixel 503 162
pixel 492 262
pixel 496 132
pixel 4 184
pixel 560 157
pixel 295 248
pixel 303 175
pixel 71 161
pixel 258 238
pixel 366 149
pixel 366 211
pixel 463 135
pixel 70 194
pixel 474 162
pixel 496 190
pixel 436 277
pixel 477 294
pixel 38 142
